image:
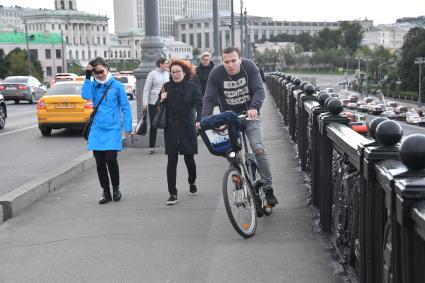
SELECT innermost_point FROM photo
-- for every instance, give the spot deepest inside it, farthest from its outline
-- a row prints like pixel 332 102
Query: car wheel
pixel 2 116
pixel 46 131
pixel 32 99
pixel 17 101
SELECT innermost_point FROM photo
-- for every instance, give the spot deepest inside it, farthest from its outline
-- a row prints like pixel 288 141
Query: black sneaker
pixel 106 197
pixel 172 200
pixel 193 190
pixel 271 199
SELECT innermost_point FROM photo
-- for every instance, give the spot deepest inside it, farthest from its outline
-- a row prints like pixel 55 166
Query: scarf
pixel 108 77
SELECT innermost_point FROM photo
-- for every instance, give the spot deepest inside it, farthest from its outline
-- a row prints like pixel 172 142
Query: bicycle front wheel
pixel 240 203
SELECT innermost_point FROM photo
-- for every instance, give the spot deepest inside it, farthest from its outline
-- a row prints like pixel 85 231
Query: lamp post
pixel 28 49
pixel 367 59
pixel 63 53
pixel 347 57
pixel 232 23
pixel 241 24
pixel 419 61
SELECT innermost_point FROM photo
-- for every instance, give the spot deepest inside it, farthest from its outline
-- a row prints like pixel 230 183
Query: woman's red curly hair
pixel 188 68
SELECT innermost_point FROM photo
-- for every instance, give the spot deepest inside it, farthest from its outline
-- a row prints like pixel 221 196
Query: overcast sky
pixel 380 11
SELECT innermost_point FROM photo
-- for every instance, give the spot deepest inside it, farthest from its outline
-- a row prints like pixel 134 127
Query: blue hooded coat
pixel 106 131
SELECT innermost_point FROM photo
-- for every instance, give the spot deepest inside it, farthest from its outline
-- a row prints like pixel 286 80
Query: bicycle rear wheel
pixel 240 203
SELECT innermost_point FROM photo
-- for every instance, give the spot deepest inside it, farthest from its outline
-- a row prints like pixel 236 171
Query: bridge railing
pixel 370 192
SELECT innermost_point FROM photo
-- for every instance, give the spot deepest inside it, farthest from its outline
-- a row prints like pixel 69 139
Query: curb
pixel 14 202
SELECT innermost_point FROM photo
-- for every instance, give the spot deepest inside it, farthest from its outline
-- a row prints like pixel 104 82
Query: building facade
pixel 198 30
pixel 45 47
pixel 131 13
pixel 389 36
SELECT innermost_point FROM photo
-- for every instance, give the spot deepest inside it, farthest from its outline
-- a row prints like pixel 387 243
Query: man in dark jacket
pixel 204 69
pixel 237 85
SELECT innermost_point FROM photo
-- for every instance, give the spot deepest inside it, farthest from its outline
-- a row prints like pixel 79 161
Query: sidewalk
pixel 69 237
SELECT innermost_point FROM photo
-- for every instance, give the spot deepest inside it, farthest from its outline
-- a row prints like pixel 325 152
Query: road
pixel 26 154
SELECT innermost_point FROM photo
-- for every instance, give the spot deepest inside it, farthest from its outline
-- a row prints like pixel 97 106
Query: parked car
pixel 60 77
pixel 401 109
pixel 353 98
pixel 129 84
pixel 363 108
pixel 391 104
pixel 368 99
pixel 358 122
pixel 351 105
pixel 19 88
pixel 63 107
pixel 3 112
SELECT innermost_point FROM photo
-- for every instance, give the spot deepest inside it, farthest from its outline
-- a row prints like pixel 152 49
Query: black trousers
pixel 106 160
pixel 152 130
pixel 172 171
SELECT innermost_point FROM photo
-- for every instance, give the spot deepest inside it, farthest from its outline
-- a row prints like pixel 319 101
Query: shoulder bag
pixel 87 127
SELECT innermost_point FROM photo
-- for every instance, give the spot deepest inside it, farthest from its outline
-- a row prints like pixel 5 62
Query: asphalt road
pixel 26 154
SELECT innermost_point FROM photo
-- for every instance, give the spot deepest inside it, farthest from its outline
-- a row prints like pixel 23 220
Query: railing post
pixel 326 153
pixel 376 204
pixel 292 104
pixel 302 128
pixel 315 150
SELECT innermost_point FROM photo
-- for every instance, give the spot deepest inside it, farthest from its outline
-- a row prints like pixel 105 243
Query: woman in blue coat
pixel 105 137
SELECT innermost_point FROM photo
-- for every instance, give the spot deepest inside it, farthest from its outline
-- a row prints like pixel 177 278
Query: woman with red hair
pixel 183 101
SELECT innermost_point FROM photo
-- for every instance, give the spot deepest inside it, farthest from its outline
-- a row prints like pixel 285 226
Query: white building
pixel 130 13
pixel 389 36
pixel 176 49
pixel 198 30
pixel 85 35
pixel 11 18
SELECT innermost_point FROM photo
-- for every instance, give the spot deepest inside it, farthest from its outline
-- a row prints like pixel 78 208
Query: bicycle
pixel 243 195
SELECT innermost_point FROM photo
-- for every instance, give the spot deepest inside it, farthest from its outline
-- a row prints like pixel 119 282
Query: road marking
pixel 19 130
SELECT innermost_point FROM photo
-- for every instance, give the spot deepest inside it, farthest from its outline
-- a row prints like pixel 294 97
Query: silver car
pixel 19 88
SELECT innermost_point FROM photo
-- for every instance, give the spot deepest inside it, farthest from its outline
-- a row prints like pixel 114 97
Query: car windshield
pixel 15 80
pixel 65 89
pixel 122 79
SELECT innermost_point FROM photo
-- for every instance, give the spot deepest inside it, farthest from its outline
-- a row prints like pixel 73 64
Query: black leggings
pixel 152 131
pixel 172 171
pixel 106 160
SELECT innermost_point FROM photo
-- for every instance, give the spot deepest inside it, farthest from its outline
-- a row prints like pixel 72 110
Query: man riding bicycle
pixel 237 85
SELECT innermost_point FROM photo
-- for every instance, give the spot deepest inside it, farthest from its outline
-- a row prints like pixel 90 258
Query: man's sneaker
pixel 271 199
pixel 172 200
pixel 151 150
pixel 193 190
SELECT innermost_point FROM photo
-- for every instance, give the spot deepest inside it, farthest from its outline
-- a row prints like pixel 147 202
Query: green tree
pixel 413 47
pixel 305 40
pixel 351 35
pixel 17 64
pixel 3 65
pixel 326 39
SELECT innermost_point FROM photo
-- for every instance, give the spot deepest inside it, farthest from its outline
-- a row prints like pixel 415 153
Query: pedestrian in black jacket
pixel 204 69
pixel 184 105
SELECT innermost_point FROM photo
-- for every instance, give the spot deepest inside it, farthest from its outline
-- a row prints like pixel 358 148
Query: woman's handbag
pixel 142 126
pixel 89 123
pixel 160 120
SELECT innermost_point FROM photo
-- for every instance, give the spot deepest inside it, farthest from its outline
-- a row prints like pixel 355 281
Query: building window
pixel 206 25
pixel 70 5
pixel 183 26
pixel 48 71
pixel 59 69
pixel 98 28
pixel 34 53
pixel 83 54
pixel 207 40
pixel 184 38
pixel 105 54
pixel 67 40
pixel 199 40
pixel 95 53
pixel 104 41
pixel 227 38
pixel 62 5
pixel 58 54
pixel 70 53
pixel 191 39
pixel 190 26
pixel 198 25
pixel 76 54
pixel 48 54
pixel 53 26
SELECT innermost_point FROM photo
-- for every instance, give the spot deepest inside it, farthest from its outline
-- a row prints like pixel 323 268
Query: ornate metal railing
pixel 370 192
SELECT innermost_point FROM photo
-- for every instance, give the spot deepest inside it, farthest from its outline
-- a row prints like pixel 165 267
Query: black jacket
pixel 203 72
pixel 184 106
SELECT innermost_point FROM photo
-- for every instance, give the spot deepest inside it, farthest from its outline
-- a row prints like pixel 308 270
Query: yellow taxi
pixel 62 107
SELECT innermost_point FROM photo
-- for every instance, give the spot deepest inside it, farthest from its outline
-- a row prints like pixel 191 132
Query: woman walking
pixel 155 80
pixel 105 138
pixel 183 101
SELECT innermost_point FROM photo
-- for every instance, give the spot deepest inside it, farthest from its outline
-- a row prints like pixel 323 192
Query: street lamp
pixel 419 61
pixel 367 59
pixel 28 49
pixel 63 53
pixel 347 57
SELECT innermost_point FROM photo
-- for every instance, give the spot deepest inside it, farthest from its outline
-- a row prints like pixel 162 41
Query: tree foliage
pixel 17 65
pixel 351 34
pixel 3 67
pixel 413 47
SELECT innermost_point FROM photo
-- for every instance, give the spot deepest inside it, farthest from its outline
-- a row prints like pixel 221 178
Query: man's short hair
pixel 230 50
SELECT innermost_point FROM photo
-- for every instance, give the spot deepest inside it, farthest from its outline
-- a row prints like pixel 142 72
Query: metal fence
pixel 370 192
